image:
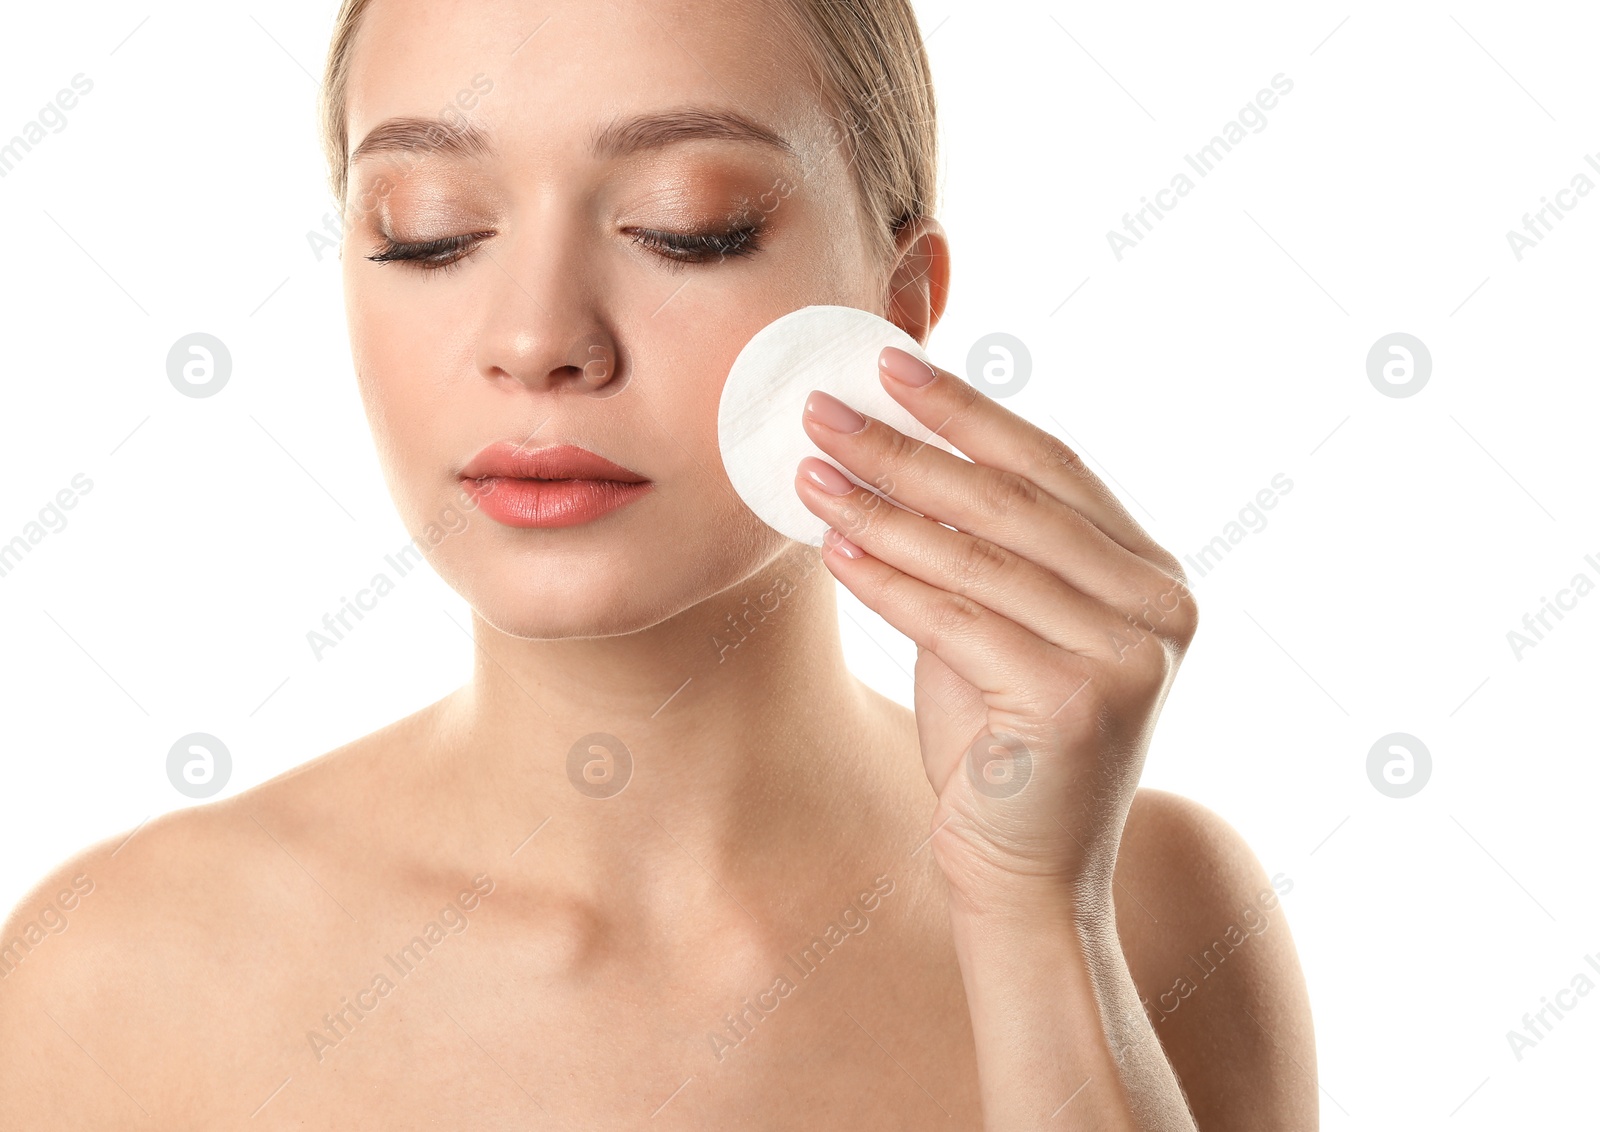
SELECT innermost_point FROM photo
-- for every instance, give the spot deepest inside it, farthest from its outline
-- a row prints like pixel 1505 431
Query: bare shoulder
pixel 136 955
pixel 120 939
pixel 1204 931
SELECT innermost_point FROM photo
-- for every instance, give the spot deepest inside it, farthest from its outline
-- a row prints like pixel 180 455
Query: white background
pixel 1229 346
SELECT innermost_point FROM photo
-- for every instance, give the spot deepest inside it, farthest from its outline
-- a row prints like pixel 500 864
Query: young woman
pixel 663 861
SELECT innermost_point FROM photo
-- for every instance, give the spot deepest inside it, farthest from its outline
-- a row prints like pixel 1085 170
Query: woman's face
pixel 559 321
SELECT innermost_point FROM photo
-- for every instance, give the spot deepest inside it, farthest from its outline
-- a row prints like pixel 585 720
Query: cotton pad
pixel 759 429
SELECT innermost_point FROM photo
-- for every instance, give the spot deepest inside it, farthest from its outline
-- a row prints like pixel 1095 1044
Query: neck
pixel 749 741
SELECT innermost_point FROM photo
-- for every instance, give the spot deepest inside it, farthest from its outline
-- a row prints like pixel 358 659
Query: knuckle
pixel 1179 611
pixel 968 400
pixel 1151 664
pixel 1005 493
pixel 1140 647
pixel 1142 668
pixel 1057 454
pixel 953 616
pixel 1188 617
pixel 981 559
pixel 897 449
pixel 1169 564
pixel 1170 613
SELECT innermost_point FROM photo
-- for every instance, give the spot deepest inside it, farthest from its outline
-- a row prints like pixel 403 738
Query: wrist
pixel 989 883
pixel 1023 906
pixel 1024 892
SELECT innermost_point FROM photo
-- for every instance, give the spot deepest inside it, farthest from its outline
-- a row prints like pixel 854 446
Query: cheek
pixel 406 368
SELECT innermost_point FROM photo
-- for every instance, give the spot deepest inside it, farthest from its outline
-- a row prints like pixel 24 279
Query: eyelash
pixel 677 248
pixel 680 248
pixel 426 255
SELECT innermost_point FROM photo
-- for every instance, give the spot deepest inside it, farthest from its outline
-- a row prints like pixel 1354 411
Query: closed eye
pixel 429 255
pixel 699 247
pixel 678 248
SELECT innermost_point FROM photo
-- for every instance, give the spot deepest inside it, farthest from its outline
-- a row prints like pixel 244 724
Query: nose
pixel 543 326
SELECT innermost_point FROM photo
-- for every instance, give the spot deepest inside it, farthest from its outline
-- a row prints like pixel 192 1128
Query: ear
pixel 919 284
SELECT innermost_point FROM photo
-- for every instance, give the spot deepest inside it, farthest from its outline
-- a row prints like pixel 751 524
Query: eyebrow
pixel 649 131
pixel 432 134
pixel 619 138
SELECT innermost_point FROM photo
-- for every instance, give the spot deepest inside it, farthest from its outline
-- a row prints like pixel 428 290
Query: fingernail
pixel 904 368
pixel 833 413
pixel 829 478
pixel 841 544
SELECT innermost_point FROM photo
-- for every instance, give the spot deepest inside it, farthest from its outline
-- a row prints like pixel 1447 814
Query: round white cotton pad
pixel 759 429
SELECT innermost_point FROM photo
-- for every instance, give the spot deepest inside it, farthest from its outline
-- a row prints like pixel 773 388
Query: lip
pixel 504 459
pixel 562 485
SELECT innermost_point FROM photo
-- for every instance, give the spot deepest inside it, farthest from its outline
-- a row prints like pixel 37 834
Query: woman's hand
pixel 1048 626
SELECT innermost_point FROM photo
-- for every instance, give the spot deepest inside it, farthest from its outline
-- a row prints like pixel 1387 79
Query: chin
pixel 544 616
pixel 540 595
pixel 627 585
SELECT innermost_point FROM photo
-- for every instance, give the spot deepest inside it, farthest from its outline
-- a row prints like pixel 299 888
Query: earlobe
pixel 919 285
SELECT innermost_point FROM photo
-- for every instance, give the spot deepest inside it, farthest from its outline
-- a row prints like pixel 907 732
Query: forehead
pixel 547 80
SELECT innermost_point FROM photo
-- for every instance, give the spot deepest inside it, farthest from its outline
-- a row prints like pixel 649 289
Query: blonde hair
pixel 868 59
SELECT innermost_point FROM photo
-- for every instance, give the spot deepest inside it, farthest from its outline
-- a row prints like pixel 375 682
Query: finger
pixel 960 563
pixel 998 507
pixel 1016 671
pixel 993 435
